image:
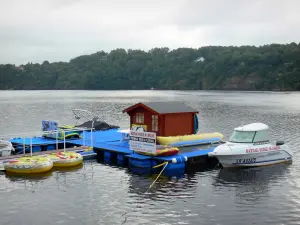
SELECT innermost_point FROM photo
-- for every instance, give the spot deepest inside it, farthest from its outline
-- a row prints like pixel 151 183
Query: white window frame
pixel 139 117
pixel 154 122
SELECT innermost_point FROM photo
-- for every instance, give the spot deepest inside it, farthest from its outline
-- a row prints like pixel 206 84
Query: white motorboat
pixel 250 146
pixel 6 148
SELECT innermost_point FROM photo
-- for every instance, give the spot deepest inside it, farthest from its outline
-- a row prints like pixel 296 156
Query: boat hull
pixel 253 160
pixel 245 155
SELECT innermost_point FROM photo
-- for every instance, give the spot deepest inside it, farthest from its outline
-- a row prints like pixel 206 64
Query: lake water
pixel 102 194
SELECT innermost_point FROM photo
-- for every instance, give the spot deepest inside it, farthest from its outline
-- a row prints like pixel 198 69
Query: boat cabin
pixel 251 133
pixel 163 118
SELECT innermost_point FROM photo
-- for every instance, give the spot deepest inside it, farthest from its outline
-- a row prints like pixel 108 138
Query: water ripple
pixel 103 194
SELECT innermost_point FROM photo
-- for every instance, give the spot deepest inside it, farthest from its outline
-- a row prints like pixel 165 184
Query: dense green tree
pixel 265 67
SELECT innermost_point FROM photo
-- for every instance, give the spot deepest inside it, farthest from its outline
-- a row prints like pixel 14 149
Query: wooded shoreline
pixel 274 67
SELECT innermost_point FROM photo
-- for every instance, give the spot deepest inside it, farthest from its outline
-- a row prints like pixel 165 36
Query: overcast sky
pixel 58 30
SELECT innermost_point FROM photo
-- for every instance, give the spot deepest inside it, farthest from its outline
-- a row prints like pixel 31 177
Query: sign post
pixel 143 142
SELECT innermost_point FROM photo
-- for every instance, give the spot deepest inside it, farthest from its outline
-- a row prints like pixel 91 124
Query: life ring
pixel 33 164
pixel 66 159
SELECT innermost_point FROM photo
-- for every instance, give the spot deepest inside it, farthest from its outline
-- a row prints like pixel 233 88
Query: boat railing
pixel 87 137
pixel 91 116
pixel 83 113
pixel 118 119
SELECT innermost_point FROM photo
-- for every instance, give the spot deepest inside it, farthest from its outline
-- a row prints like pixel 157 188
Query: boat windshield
pixel 242 136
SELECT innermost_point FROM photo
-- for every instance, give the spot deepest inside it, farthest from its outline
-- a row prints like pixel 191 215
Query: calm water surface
pixel 100 194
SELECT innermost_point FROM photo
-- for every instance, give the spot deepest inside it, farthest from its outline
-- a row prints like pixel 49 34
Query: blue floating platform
pixel 35 141
pixel 87 154
pixel 98 137
pixel 177 163
pixel 111 146
pixel 195 152
pixel 116 146
pixel 139 156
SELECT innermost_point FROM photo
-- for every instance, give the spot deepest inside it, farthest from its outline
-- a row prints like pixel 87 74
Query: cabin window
pixel 139 117
pixel 154 123
pixel 261 136
pixel 242 136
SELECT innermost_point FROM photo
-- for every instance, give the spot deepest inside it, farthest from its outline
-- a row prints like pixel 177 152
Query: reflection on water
pixel 67 169
pixel 30 177
pixel 95 193
pixel 251 183
pixel 260 175
pixel 164 188
pixel 255 192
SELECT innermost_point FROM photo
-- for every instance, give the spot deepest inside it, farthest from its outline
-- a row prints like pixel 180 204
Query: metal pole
pixel 56 139
pixel 24 145
pixel 83 136
pixel 30 146
pixel 64 141
pixel 92 138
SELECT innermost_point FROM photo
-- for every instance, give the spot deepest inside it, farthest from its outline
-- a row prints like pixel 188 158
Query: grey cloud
pixel 57 30
pixel 214 12
pixel 58 4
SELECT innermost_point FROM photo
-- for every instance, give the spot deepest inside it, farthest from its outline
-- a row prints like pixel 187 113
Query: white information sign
pixel 143 141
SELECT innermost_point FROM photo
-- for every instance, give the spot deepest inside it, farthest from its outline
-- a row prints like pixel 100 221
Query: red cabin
pixel 163 118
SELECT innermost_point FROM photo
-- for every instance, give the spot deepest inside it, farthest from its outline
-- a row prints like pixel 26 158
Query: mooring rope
pixel 165 163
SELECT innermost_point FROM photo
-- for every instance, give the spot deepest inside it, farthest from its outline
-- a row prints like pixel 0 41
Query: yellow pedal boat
pixel 33 164
pixel 66 159
pixel 203 138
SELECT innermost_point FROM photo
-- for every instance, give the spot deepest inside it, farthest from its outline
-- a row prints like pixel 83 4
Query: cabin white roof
pixel 253 127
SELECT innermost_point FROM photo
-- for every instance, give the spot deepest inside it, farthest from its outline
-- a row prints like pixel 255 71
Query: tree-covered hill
pixel 268 67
